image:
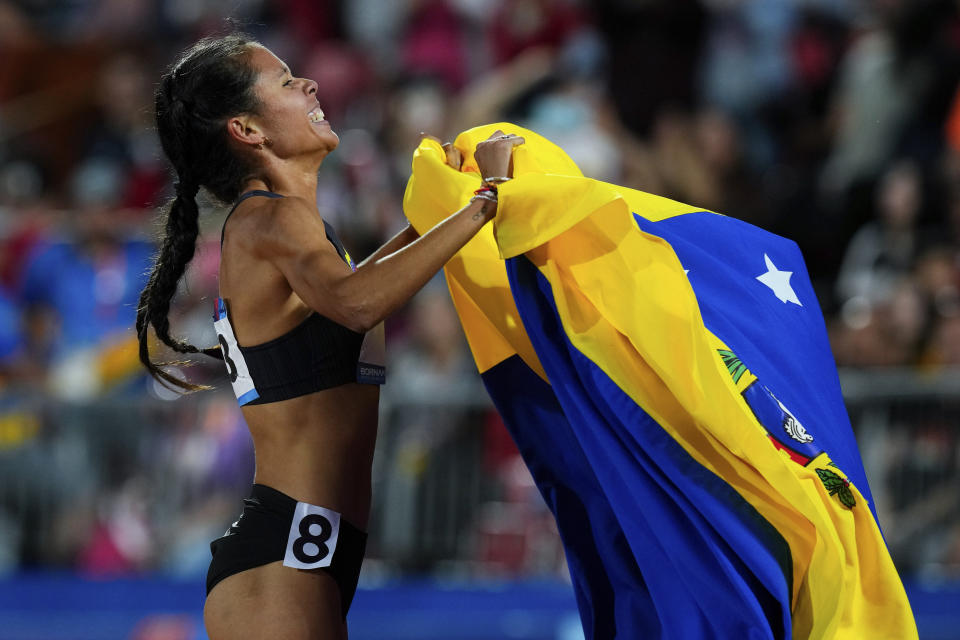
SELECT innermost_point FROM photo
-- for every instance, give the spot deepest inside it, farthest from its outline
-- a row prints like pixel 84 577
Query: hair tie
pixel 186 189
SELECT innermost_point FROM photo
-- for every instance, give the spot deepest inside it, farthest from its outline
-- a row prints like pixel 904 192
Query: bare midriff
pixel 318 448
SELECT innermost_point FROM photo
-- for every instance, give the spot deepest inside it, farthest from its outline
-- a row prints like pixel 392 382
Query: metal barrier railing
pixel 144 483
pixel 908 430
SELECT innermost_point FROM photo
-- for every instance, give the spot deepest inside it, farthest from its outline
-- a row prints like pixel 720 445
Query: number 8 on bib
pixel 313 535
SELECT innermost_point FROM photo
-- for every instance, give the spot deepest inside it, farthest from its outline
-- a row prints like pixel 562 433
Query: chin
pixel 331 140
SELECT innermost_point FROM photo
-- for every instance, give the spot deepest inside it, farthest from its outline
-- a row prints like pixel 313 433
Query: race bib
pixel 371 367
pixel 313 537
pixel 240 378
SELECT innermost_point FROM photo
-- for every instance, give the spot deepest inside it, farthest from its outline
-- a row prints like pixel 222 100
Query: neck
pixel 286 179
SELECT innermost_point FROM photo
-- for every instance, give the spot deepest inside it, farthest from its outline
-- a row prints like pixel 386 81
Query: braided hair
pixel 211 82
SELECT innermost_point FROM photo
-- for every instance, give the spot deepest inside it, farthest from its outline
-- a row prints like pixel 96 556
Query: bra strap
pixel 244 196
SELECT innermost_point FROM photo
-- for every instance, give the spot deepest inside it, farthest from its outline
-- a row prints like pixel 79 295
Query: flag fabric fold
pixel 666 375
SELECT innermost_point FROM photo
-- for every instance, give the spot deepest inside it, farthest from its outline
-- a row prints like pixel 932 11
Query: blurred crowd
pixel 833 122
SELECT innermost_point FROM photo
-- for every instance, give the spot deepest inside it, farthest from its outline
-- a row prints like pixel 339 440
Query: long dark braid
pixel 210 83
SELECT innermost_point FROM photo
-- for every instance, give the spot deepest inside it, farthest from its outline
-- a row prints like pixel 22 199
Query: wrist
pixel 493 181
pixel 483 206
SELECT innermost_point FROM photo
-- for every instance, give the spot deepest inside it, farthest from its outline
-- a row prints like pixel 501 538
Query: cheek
pixel 288 115
pixel 277 114
pixel 282 125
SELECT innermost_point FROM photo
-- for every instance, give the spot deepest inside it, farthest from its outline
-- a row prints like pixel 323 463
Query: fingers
pixel 494 155
pixel 500 135
pixel 500 138
pixel 454 158
pixel 493 152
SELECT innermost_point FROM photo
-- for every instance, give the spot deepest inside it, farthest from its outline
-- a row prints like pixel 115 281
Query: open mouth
pixel 316 115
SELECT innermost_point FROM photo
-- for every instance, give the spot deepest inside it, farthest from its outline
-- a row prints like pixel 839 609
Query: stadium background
pixel 833 122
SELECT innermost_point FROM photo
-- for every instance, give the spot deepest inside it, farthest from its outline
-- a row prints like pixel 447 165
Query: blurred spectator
pixel 681 162
pixel 344 76
pixel 747 62
pixel 572 115
pixel 434 43
pixel 416 105
pixel 25 215
pixel 84 293
pixel 888 332
pixel 872 104
pixel 891 89
pixel 518 25
pixel 123 134
pixel 121 541
pixel 937 276
pixel 732 190
pixel 884 250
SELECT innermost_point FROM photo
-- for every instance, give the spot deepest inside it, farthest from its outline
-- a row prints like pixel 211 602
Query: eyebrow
pixel 284 70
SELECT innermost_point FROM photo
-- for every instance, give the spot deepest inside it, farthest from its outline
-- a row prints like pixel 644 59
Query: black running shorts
pixel 275 527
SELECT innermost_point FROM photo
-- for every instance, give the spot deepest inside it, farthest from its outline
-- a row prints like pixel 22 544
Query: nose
pixel 310 86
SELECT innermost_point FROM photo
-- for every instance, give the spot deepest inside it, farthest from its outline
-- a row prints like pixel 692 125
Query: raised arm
pixel 298 246
pixel 296 243
pixel 407 235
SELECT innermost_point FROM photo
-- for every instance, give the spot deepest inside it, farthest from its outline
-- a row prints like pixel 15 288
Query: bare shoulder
pixel 291 210
pixel 287 214
pixel 278 225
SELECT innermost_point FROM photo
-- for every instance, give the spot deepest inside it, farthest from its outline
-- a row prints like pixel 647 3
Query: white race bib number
pixel 313 537
pixel 240 378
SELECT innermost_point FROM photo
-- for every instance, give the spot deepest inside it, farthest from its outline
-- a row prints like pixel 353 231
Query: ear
pixel 244 130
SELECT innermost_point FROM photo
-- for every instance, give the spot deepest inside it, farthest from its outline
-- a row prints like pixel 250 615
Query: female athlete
pixel 297 324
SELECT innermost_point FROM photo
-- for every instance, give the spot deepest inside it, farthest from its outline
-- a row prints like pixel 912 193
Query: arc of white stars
pixel 779 282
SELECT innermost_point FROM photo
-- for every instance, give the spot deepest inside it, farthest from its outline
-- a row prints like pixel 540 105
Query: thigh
pixel 276 602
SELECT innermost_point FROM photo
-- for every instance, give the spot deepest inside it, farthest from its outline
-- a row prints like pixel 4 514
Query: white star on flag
pixel 779 282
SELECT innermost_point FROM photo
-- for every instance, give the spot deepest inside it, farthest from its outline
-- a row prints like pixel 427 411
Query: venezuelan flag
pixel 666 374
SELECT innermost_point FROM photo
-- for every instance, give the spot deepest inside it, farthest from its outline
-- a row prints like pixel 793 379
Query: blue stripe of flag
pixel 713 565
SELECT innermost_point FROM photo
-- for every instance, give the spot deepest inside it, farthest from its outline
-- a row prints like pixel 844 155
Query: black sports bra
pixel 316 354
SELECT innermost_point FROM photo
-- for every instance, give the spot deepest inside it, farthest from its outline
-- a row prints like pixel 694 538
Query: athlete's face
pixel 290 116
